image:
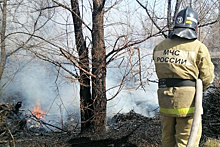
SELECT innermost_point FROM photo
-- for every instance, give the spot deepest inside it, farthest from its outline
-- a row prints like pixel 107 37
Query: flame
pixel 37 111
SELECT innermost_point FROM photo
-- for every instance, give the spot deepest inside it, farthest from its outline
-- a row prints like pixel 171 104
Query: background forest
pixel 90 59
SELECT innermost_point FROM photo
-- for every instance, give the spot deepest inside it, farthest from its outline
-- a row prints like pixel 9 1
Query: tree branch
pixel 209 23
pixel 68 8
pixel 160 30
pixel 113 5
pixel 71 58
pixel 115 51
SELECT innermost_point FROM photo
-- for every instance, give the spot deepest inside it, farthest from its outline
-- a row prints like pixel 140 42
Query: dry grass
pixel 212 143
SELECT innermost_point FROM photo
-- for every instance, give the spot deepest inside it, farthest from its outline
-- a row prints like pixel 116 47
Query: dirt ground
pixel 123 130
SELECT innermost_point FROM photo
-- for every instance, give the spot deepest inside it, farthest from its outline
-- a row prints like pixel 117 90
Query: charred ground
pixel 123 130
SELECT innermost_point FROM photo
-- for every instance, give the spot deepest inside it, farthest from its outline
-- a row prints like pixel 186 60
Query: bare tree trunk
pixel 3 29
pixel 93 108
pixel 178 3
pixel 190 3
pixel 200 29
pixel 98 67
pixel 219 22
pixel 169 23
pixel 84 79
pixel 218 43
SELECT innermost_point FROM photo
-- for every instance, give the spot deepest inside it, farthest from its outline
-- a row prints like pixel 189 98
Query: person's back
pixel 183 59
pixel 180 60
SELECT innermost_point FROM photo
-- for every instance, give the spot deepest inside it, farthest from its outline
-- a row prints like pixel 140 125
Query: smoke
pixel 38 81
pixel 141 100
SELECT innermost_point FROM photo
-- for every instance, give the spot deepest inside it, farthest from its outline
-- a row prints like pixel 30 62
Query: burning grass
pixel 37 111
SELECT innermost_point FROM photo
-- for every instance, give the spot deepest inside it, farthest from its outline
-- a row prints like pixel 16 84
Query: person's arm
pixel 205 66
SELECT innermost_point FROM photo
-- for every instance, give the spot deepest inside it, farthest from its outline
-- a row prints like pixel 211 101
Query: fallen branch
pixel 44 123
pixel 13 140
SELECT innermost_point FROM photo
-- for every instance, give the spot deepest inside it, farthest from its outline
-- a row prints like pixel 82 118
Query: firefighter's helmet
pixel 186 18
pixel 186 24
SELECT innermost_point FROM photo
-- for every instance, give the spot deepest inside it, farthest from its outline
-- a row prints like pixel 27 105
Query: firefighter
pixel 180 60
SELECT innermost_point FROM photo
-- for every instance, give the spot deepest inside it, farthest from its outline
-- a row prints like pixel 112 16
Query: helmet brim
pixel 183 33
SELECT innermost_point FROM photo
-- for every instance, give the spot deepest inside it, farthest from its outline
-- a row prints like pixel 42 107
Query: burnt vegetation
pixel 211 116
pixel 123 130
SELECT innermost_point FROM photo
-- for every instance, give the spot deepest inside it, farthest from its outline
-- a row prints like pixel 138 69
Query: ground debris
pixel 10 122
pixel 148 131
pixel 211 116
pixel 123 130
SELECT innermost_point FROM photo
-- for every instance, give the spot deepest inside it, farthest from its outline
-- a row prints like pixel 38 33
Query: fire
pixel 37 111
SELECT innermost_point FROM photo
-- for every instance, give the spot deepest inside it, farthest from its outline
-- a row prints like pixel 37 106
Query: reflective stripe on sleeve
pixel 178 111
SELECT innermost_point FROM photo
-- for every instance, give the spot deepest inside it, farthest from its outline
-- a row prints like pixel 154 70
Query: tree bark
pixel 86 101
pixel 219 22
pixel 98 67
pixel 93 107
pixel 3 29
pixel 169 23
pixel 178 3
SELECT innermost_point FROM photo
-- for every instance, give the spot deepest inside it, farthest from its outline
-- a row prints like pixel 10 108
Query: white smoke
pixel 35 82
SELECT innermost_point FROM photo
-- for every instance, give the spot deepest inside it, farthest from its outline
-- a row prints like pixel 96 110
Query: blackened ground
pixel 123 130
pixel 211 116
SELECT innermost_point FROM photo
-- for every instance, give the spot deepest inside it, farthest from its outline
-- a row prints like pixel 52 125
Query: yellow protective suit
pixel 180 59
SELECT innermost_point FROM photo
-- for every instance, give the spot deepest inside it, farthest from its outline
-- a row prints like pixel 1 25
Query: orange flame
pixel 37 111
